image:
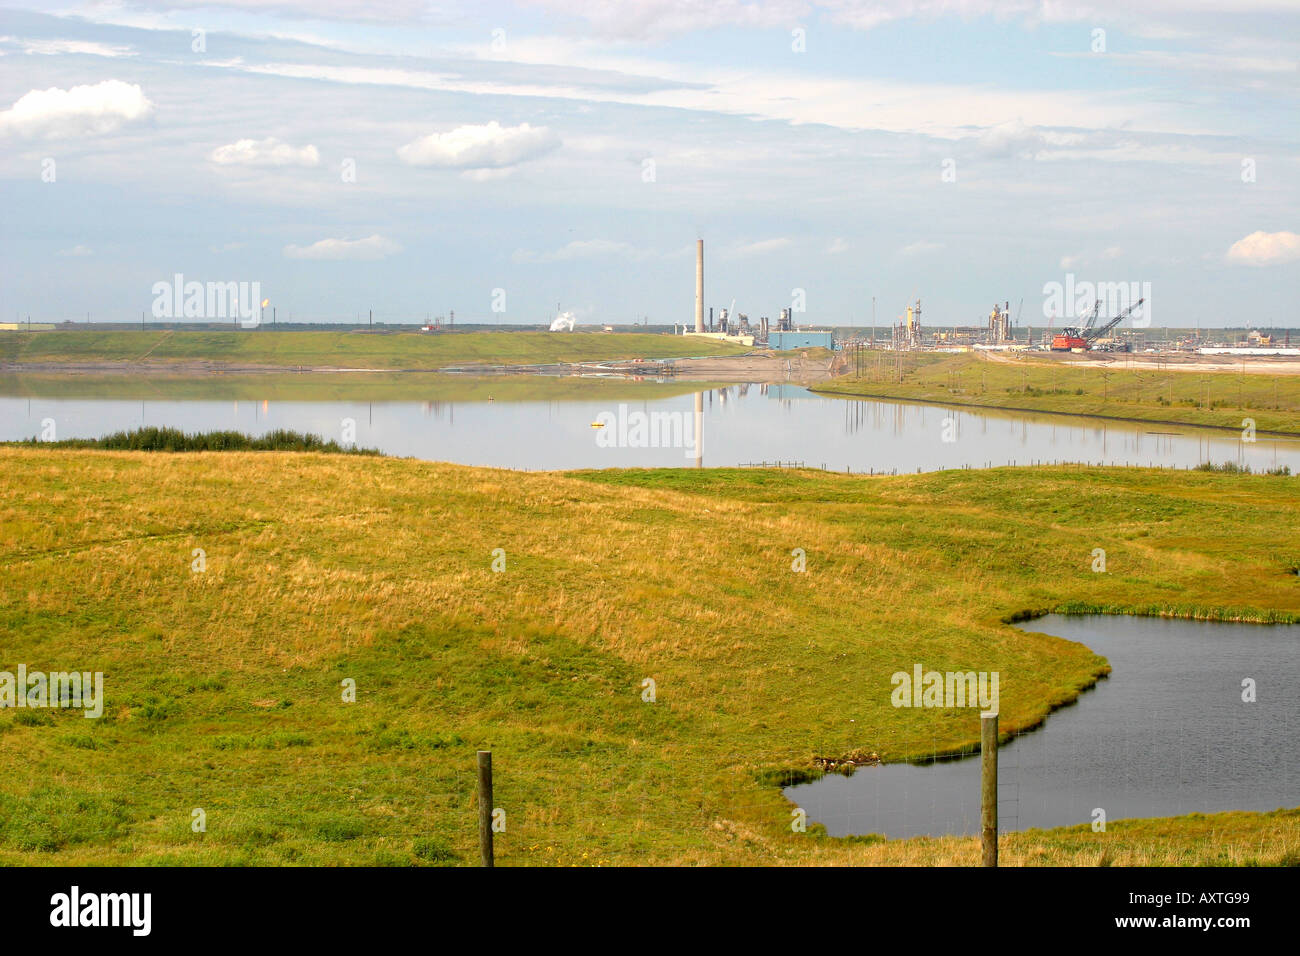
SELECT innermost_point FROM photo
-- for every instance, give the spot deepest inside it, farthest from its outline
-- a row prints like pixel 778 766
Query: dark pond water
pixel 1166 734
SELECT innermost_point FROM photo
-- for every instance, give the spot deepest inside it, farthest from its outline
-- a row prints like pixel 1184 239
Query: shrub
pixel 1227 468
pixel 153 438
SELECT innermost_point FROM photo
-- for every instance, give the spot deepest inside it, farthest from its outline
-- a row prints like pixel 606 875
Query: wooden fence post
pixel 989 788
pixel 485 807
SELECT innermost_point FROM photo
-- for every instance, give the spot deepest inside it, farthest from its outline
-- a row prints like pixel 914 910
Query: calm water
pixel 1166 734
pixel 741 424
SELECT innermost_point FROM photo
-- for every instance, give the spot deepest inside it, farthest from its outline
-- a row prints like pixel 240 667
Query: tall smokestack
pixel 699 285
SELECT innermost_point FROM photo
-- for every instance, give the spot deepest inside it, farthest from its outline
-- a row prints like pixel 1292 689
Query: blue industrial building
pixel 801 340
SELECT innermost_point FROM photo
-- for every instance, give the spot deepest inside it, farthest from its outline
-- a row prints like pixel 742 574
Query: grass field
pixel 408 350
pixel 1221 399
pixel 223 685
pixel 340 386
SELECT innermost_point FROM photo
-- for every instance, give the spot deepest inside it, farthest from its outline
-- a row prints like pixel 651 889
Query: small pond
pixel 1167 733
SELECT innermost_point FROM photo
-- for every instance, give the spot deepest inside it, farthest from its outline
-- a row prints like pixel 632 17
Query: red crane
pixel 1082 338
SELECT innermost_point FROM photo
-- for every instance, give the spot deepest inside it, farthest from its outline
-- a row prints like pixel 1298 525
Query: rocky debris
pixel 848 762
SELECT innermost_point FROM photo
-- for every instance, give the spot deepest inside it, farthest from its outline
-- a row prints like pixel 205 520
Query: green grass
pixel 406 350
pixel 340 386
pixel 1040 383
pixel 224 688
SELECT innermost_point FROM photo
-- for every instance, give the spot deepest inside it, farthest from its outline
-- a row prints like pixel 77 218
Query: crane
pixel 1096 308
pixel 1091 335
pixel 1075 336
pixel 1082 338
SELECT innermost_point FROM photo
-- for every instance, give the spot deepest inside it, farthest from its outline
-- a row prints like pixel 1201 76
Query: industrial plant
pixel 1000 331
pixel 732 326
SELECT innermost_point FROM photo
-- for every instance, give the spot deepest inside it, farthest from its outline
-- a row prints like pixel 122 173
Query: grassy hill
pixel 224 686
pixel 407 350
pixel 1222 398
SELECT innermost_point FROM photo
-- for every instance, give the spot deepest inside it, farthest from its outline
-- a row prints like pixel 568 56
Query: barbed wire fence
pixel 609 804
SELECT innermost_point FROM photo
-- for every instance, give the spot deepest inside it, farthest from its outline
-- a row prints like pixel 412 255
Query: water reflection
pixel 744 424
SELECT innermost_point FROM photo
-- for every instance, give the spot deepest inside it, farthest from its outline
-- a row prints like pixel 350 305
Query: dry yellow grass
pixel 223 686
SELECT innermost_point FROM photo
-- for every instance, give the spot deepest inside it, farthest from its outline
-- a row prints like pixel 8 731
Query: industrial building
pixel 736 328
pixel 795 339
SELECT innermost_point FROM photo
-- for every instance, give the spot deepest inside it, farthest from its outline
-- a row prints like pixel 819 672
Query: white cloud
pixel 1197 61
pixel 77 251
pixel 836 247
pixel 945 110
pixel 1265 249
pixel 920 247
pixel 489 146
pixel 55 47
pixel 762 247
pixel 1014 138
pixel 82 110
pixel 227 247
pixel 138 13
pixel 659 19
pixel 355 75
pixel 486 175
pixel 265 152
pixel 580 249
pixel 371 247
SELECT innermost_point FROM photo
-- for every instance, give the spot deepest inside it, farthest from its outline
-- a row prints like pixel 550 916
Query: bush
pixel 174 440
pixel 1232 468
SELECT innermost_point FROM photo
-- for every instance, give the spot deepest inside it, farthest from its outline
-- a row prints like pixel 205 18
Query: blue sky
pixel 571 152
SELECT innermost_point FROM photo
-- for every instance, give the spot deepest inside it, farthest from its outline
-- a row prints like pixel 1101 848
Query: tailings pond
pixel 739 424
pixel 1167 733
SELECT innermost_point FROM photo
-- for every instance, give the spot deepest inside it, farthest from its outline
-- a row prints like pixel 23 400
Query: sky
pixel 505 160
